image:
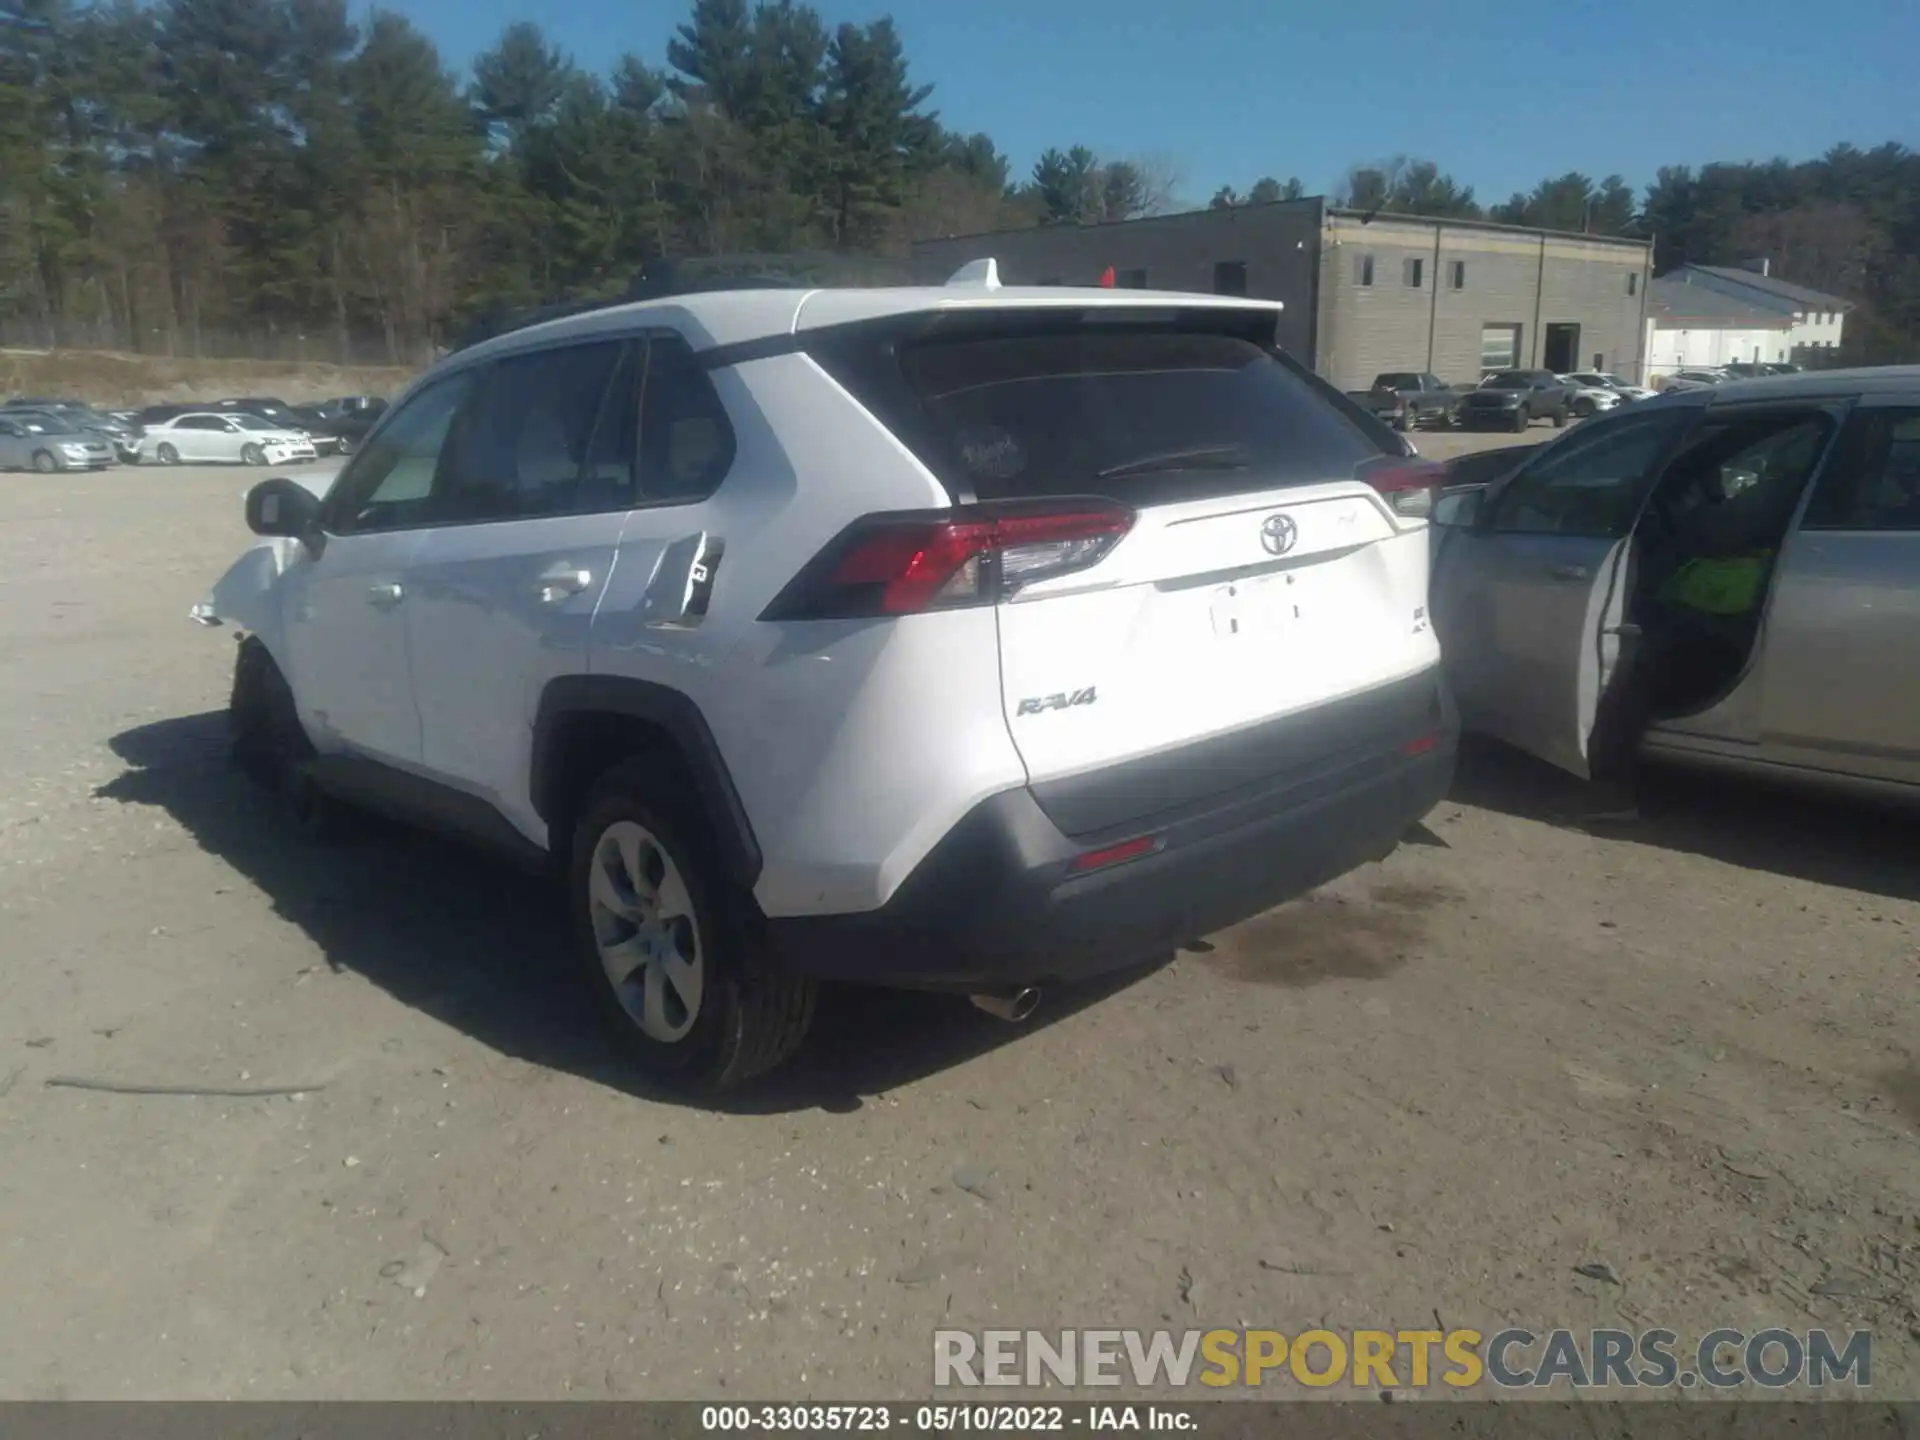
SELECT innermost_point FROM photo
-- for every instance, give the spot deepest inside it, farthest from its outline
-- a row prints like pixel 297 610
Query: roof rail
pixel 982 273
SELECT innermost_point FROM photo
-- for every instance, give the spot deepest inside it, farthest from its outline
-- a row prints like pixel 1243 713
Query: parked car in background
pixel 155 414
pixel 337 432
pixel 211 436
pixel 1514 399
pixel 43 441
pixel 1411 398
pixel 265 406
pixel 1692 380
pixel 369 407
pixel 1588 400
pixel 1781 367
pixel 1604 380
pixel 1808 669
pixel 116 432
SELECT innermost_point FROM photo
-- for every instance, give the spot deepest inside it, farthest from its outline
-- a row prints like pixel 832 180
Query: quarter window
pixel 686 441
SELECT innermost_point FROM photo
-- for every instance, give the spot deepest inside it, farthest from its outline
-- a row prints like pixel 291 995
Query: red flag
pixel 1106 278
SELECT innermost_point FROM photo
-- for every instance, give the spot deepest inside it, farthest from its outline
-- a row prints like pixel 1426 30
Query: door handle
pixel 563 581
pixel 385 595
pixel 1569 572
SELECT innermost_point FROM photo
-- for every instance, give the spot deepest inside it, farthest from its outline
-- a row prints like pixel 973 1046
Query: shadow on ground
pixel 480 947
pixel 1758 826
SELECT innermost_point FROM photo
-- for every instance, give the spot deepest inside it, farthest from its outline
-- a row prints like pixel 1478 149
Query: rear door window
pixel 1138 415
pixel 520 448
pixel 1874 482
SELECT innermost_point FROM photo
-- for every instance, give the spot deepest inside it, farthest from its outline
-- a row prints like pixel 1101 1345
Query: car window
pixel 1734 485
pixel 390 484
pixel 1874 482
pixel 518 449
pixel 686 440
pixel 1591 483
pixel 1139 416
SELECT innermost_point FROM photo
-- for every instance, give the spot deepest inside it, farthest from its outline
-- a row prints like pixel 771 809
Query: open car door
pixel 1530 582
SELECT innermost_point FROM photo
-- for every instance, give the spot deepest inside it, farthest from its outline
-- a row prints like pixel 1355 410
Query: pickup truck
pixel 1407 398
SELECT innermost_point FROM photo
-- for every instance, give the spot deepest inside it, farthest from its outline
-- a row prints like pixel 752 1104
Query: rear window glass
pixel 1139 416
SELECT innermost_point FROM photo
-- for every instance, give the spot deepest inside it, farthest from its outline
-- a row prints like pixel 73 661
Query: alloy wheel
pixel 646 932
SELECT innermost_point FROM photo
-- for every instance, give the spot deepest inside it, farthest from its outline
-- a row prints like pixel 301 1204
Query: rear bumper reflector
pixel 1420 746
pixel 1113 854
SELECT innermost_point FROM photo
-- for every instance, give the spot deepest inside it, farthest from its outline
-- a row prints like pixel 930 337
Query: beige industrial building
pixel 1363 293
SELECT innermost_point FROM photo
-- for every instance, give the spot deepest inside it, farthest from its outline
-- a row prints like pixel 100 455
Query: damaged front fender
pixel 247 596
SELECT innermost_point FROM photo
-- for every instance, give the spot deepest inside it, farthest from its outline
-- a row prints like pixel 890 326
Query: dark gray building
pixel 1362 294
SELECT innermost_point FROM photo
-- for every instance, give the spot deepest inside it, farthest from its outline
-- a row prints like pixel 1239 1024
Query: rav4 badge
pixel 1067 701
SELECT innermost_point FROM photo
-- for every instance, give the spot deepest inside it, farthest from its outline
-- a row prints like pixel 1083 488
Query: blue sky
pixel 1499 95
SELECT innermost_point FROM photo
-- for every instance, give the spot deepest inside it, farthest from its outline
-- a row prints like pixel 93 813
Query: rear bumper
pixel 996 905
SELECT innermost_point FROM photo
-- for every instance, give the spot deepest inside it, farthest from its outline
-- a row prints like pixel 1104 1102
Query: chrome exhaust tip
pixel 1013 1006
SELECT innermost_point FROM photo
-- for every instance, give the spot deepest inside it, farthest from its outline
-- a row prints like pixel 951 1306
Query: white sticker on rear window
pixel 990 451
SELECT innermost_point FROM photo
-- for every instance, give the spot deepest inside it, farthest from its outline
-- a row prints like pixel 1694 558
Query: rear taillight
pixel 903 564
pixel 1408 486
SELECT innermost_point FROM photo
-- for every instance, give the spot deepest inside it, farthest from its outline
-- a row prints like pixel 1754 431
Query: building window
pixel 1416 272
pixel 1363 270
pixel 1130 279
pixel 1230 277
pixel 1633 284
pixel 1499 347
pixel 1459 268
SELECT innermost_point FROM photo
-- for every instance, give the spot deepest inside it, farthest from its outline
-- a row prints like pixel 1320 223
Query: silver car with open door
pixel 1545 580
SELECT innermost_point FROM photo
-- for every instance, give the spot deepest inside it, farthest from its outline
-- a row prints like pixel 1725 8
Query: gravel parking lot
pixel 1685 1053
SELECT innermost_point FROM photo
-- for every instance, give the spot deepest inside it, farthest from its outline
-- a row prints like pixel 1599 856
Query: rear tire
pixel 345 447
pixel 1409 420
pixel 1560 418
pixel 1521 421
pixel 167 455
pixel 668 943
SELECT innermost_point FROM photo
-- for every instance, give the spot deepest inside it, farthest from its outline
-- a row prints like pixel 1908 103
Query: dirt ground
pixel 1429 1091
pixel 110 380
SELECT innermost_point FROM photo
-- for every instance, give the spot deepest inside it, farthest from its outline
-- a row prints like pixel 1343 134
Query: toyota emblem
pixel 1277 534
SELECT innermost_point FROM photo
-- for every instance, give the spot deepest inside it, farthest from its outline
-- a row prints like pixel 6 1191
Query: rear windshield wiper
pixel 1210 457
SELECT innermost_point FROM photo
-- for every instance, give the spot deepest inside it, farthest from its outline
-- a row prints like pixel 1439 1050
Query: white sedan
pixel 205 435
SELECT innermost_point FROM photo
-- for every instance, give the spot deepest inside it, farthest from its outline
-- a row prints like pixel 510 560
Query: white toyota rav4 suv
pixel 964 638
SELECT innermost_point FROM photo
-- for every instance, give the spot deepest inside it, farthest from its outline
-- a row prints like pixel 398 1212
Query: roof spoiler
pixel 980 274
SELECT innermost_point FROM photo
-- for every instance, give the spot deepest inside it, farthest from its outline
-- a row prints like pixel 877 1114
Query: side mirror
pixel 283 507
pixel 1458 508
